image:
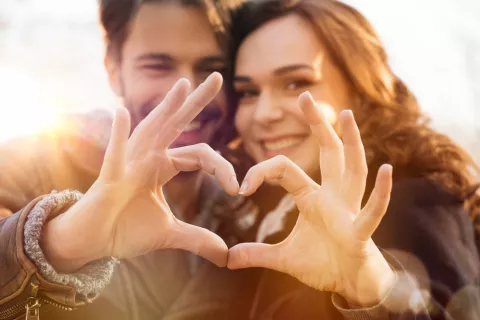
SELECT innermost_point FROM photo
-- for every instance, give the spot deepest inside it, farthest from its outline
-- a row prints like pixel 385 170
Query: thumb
pixel 255 255
pixel 198 241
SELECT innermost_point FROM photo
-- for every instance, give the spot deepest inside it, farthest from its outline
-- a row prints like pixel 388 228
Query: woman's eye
pixel 297 85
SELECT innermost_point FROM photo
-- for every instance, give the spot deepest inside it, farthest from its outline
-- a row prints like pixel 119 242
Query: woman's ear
pixel 112 66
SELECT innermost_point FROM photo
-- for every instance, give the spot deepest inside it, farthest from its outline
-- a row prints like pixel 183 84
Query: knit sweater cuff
pixel 88 281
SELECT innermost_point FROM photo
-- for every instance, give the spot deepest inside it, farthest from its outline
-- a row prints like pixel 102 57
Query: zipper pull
pixel 33 309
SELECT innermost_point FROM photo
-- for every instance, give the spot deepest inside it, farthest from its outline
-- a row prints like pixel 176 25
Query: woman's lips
pixel 282 146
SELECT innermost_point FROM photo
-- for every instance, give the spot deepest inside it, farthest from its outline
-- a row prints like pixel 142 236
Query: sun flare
pixel 23 109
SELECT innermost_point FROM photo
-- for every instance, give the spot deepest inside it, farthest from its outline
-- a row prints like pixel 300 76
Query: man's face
pixel 166 42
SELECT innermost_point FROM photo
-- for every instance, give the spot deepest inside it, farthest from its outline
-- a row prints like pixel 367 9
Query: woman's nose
pixel 268 109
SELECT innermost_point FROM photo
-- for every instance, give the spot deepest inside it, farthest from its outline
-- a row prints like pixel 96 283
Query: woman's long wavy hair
pixel 393 128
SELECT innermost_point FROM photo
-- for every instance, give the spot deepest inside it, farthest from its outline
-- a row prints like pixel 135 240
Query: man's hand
pixel 124 214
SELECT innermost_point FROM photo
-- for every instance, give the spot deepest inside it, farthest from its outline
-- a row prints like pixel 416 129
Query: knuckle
pixel 204 149
pixel 243 256
pixel 198 163
pixel 178 128
pixel 363 169
pixel 282 161
pixel 203 146
pixel 201 244
pixel 282 158
pixel 337 143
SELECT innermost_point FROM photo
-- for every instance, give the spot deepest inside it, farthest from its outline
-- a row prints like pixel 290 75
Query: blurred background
pixel 51 61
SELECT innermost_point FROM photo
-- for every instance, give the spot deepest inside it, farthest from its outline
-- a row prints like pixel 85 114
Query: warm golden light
pixel 23 110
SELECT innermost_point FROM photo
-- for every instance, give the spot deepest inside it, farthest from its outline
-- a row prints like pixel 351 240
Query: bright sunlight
pixel 23 109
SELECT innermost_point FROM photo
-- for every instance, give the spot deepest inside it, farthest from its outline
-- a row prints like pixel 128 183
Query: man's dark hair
pixel 116 16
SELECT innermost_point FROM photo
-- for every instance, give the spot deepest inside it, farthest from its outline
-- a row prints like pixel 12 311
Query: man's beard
pixel 212 115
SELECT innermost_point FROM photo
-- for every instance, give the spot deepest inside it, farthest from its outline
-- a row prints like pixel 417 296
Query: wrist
pixel 61 249
pixel 374 280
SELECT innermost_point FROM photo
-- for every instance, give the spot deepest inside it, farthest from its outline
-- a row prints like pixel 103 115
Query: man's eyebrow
pixel 212 60
pixel 155 57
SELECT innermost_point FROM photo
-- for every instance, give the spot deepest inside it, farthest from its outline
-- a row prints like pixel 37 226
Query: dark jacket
pixel 425 230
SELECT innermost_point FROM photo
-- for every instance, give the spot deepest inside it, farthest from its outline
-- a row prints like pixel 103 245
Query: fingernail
pixel 181 82
pixel 244 188
pixel 306 95
pixel 346 112
pixel 234 182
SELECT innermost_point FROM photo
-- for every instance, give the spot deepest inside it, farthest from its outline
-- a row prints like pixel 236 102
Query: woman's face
pixel 275 64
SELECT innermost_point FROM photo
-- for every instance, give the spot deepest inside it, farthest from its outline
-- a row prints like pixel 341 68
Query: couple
pixel 304 225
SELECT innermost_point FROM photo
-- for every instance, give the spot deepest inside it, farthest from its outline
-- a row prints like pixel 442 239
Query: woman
pixel 281 49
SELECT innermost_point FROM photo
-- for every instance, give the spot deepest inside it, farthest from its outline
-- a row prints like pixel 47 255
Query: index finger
pixel 202 156
pixel 331 147
pixel 165 110
pixel 279 170
pixel 194 104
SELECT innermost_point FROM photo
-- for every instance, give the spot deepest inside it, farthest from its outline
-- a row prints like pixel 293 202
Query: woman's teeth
pixel 192 126
pixel 282 144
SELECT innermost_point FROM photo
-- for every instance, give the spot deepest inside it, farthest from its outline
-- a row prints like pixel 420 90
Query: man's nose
pixel 189 74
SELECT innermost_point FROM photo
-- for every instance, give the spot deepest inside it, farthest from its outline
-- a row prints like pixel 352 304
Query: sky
pixel 51 59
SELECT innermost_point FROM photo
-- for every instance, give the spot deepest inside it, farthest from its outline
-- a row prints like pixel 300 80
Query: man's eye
pixel 222 70
pixel 157 67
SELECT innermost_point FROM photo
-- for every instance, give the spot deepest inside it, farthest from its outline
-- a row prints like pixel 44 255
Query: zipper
pixel 11 312
pixel 31 305
pixel 32 309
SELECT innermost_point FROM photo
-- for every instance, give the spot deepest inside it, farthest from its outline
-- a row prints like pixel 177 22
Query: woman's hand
pixel 124 214
pixel 330 247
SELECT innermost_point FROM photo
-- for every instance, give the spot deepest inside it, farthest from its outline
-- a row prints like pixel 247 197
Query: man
pixel 149 47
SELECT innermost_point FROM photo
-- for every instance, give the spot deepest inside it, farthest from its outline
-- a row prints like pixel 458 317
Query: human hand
pixel 330 247
pixel 124 214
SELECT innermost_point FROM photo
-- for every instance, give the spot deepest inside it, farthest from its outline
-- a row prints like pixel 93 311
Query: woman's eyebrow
pixel 290 68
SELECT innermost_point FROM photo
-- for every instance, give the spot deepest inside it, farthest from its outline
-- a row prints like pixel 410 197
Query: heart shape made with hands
pixel 125 214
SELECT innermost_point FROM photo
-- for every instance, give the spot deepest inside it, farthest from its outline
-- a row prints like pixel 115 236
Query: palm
pixel 139 225
pixel 309 262
pixel 330 245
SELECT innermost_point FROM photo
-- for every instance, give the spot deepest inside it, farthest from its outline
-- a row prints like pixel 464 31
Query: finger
pixel 114 161
pixel 198 241
pixel 152 124
pixel 255 255
pixel 194 104
pixel 356 170
pixel 279 170
pixel 369 218
pixel 331 147
pixel 203 157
